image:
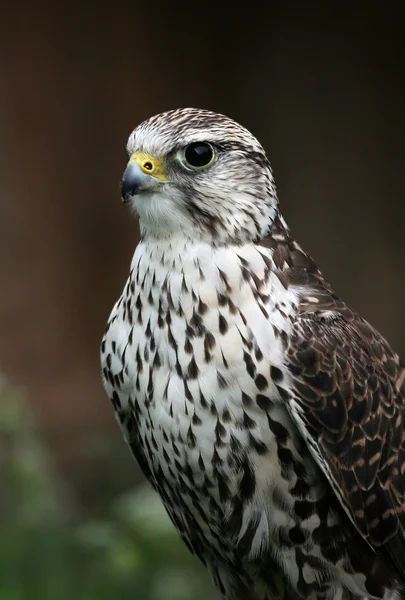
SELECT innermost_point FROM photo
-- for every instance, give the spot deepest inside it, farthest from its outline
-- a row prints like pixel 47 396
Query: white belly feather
pixel 200 391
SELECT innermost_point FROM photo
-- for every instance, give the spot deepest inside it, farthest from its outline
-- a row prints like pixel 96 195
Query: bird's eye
pixel 198 155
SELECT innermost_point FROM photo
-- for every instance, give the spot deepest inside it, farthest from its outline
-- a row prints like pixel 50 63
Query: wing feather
pixel 353 406
pixel 348 400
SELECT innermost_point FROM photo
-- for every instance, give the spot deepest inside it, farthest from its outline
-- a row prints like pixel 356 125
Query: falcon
pixel 266 413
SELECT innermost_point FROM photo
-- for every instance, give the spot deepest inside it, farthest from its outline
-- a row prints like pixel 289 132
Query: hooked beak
pixel 144 173
pixel 134 182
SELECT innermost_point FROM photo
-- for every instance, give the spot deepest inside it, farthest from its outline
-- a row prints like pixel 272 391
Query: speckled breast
pixel 194 350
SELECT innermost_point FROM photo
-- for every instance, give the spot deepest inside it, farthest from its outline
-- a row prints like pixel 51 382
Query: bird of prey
pixel 266 413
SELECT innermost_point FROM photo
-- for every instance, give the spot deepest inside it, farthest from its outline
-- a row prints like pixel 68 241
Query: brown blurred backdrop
pixel 322 87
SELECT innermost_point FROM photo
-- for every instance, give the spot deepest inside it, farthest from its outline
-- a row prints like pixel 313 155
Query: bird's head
pixel 200 174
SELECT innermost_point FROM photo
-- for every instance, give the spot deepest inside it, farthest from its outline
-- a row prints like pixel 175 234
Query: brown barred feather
pixel 350 388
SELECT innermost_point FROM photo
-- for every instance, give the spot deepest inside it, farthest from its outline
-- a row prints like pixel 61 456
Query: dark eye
pixel 199 154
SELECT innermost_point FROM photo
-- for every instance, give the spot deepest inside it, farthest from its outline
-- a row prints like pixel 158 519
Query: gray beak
pixel 134 181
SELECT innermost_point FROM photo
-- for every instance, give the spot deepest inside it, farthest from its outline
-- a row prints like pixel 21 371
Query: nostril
pixel 148 166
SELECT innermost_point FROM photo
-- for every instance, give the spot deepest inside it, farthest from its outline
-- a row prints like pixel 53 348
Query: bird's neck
pixel 180 253
pixel 237 231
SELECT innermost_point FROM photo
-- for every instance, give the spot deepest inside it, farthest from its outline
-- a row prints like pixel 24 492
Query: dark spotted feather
pixel 349 400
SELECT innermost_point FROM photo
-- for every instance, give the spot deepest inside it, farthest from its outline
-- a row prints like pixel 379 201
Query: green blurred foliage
pixel 131 551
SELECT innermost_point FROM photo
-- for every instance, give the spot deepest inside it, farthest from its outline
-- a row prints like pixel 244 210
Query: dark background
pixel 321 85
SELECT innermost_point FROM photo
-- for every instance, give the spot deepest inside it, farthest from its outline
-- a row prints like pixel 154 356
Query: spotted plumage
pixel 263 410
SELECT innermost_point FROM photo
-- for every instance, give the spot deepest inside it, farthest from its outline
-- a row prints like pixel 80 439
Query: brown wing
pixel 349 391
pixel 349 401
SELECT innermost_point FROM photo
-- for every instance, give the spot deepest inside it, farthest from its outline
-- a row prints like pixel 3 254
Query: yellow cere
pixel 149 164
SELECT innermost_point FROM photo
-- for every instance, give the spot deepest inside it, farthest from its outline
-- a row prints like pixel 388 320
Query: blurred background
pixel 323 87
